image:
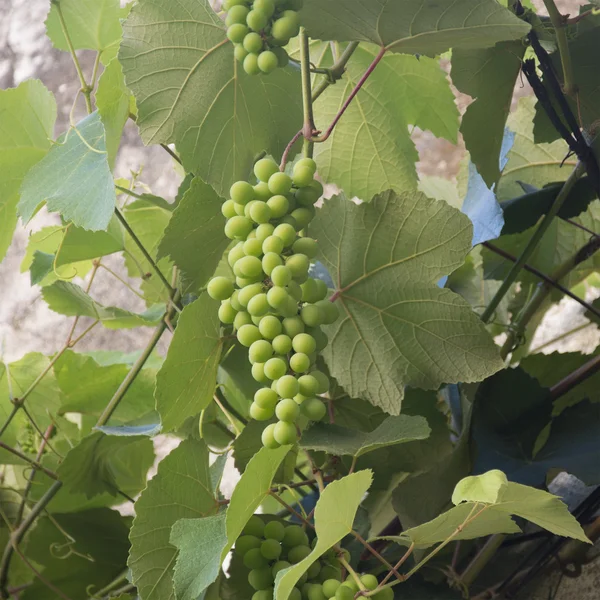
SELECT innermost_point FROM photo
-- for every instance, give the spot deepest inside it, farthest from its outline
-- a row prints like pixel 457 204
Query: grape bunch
pixel 275 308
pixel 259 29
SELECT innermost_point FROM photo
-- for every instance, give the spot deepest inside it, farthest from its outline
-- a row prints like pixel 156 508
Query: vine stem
pixel 31 461
pixel 308 125
pixel 575 378
pixel 336 71
pixel 535 239
pixel 559 22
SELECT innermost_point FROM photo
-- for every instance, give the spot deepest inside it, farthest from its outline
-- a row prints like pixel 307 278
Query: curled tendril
pixel 69 545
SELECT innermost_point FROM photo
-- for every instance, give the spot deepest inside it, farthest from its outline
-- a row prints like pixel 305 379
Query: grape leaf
pixel 413 26
pixel 41 266
pixel 337 440
pixel 73 179
pixel 397 327
pixel 91 467
pixel 186 382
pixel 68 299
pixel 489 77
pixel 334 517
pixel 487 488
pixel 200 543
pixel 180 490
pixel 27 115
pixel 371 150
pixel 197 222
pixel 190 91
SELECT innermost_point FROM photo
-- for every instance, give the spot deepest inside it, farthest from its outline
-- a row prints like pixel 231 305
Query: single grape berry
pixel 260 414
pixel 237 14
pixel 294 535
pixel 253 559
pixel 258 373
pixel 257 20
pixel 270 327
pixel 284 434
pixel 287 386
pixel 286 232
pixel 384 594
pixel 302 176
pixel 260 351
pixel 227 313
pixel 258 305
pixel 305 245
pixel 271 549
pixel 237 32
pixel 287 410
pixel 315 592
pixel 344 592
pixel 271 260
pixel 280 565
pixel 253 247
pixel 238 227
pixel 280 183
pixel 369 581
pixel 253 43
pixel 263 594
pixel 314 409
pixel 323 381
pixel 260 578
pixel 330 586
pixel 268 437
pixel 251 63
pixel 248 335
pixel 299 363
pixel 308 385
pixel 265 6
pixel 298 553
pixel 280 276
pixel 245 543
pixel 311 315
pixel 273 244
pixel 241 192
pixel 275 368
pixel 267 61
pixel 264 168
pixel 305 343
pixel 293 326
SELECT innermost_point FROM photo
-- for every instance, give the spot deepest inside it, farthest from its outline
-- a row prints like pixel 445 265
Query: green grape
pixel 274 530
pixel 286 232
pixel 235 301
pixel 262 191
pixel 283 30
pixel 323 381
pixel 238 228
pixel 245 295
pixel 384 594
pixel 302 176
pixel 229 4
pixel 282 344
pixel 248 335
pixel 279 205
pixel 257 319
pixel 257 20
pixel 318 187
pixel 227 313
pixel 240 53
pixel 253 559
pixel 253 43
pixel 298 553
pixel 243 282
pixel 299 399
pixel 289 220
pixel 258 373
pixel 228 209
pixel 294 290
pixel 330 586
pixel 306 196
pixel 271 549
pixel 263 594
pixel 258 305
pixel 270 327
pixel 320 337
pixel 249 266
pixel 270 261
pixel 303 216
pixel 260 414
pixel 298 264
pixel 344 592
pixel 280 183
pixel 267 61
pixel 275 368
pixel 265 6
pixel 287 410
pixel 264 168
pixel 305 343
pixel 280 276
pixel 235 254
pixel 251 63
pixel 306 163
pixel 285 433
pixel 315 591
pixel 309 290
pixel 260 212
pixel 295 594
pixel 263 231
pixel 369 581
pixel 307 246
pixel 260 351
pixel 237 32
pixel 287 386
pixel 260 578
pixel 289 309
pixel 253 247
pixel 291 201
pixel 308 385
pixel 350 580
pixel 293 326
pixel 245 543
pixel 280 565
pixel 311 315
pixel 293 536
pixel 314 569
pixel 314 409
pixel 240 209
pixel 283 57
pixel 277 296
pixel 321 289
pixel 237 14
pixel 329 310
pixel 219 288
pixel 273 244
pixel 268 437
pixel 299 363
pixel 241 192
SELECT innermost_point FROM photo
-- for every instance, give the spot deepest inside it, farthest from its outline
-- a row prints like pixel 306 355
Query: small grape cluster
pixel 259 29
pixel 275 307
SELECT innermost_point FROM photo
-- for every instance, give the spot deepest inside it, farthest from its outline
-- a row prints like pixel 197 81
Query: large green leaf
pixel 70 300
pixel 413 26
pixel 180 490
pixel 200 543
pixel 334 517
pixel 397 326
pixel 93 465
pixel 197 223
pixel 190 91
pixel 489 77
pixel 370 150
pixel 27 115
pixel 73 179
pixel 186 382
pixel 334 439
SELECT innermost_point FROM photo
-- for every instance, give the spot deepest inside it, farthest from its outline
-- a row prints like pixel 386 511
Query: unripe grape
pixel 227 313
pixel 270 327
pixel 330 586
pixel 295 594
pixel 277 296
pixel 292 326
pixel 270 261
pixel 281 564
pixel 245 543
pixel 257 20
pixel 228 209
pixel 282 344
pixel 249 266
pixel 275 368
pixel 302 176
pixel 287 386
pixel 314 409
pixel 305 343
pixel 316 591
pixel 303 216
pixel 235 254
pixel 250 63
pixel 266 6
pixel 289 220
pixel 257 319
pixel 299 399
pixel 306 163
pixel 280 183
pixel 317 186
pixel 384 594
pixel 253 559
pixel 240 53
pixel 263 231
pixel 238 228
pixel 261 578
pixel 299 363
pixel 284 29
pixel 241 192
pixel 242 318
pixel 260 351
pixel 280 276
pixel 258 305
pixel 298 553
pixel 294 535
pixel 237 14
pixel 243 282
pixel 264 168
pixel 308 385
pixel 289 309
pixel 273 244
pixel 329 310
pixel 237 32
pixel 287 410
pixel 283 57
pixel 286 232
pixel 320 338
pixel 284 434
pixel 322 289
pixel 311 315
pixel 268 439
pixel 309 290
pixel 369 581
pixel 235 302
pixel 247 335
pixel 271 549
pixel 298 264
pixel 240 209
pixel 220 288
pixel 262 191
pixel 246 294
pixel 305 245
pixel 258 373
pixel 314 570
pixel 267 61
pixel 323 381
pixel 279 205
pixel 306 196
pixel 253 247
pixel 253 43
pixel 260 212
pixel 260 414
pixel 263 594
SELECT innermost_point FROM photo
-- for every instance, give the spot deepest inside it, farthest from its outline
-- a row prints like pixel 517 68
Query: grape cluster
pixel 275 307
pixel 259 29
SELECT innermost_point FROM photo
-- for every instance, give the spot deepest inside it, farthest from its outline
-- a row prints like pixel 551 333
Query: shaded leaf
pixel 41 266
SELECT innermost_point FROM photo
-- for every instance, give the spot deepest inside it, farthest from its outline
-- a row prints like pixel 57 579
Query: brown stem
pixel 33 463
pixel 286 152
pixel 572 380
